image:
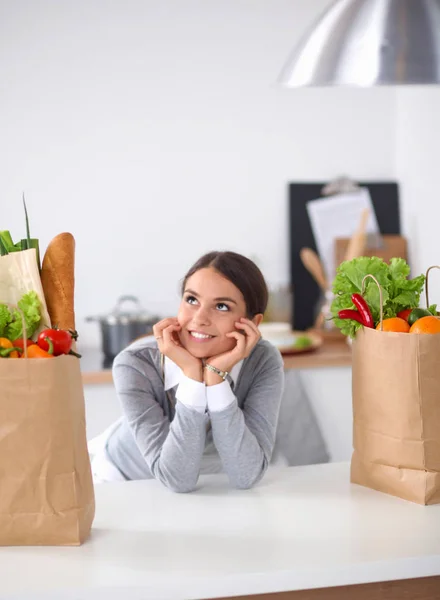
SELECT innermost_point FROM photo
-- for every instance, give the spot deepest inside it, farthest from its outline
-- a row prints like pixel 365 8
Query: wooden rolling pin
pixel 357 243
pixel 313 264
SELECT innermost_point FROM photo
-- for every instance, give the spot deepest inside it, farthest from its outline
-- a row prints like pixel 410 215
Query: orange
pixel 395 324
pixel 426 325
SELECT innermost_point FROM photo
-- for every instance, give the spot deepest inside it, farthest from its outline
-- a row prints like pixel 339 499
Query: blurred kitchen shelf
pixel 334 352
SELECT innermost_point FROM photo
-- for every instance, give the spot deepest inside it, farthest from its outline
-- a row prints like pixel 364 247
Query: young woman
pixel 202 395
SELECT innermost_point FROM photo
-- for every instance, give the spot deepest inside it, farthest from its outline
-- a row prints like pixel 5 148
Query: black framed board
pixel 306 293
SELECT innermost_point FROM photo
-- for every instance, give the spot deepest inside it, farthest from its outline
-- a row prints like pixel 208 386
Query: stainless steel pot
pixel 120 328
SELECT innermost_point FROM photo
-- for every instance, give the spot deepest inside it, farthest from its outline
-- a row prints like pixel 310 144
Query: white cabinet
pixel 329 392
pixel 102 407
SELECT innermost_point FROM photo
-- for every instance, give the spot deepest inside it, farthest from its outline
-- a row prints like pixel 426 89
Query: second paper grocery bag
pixel 396 410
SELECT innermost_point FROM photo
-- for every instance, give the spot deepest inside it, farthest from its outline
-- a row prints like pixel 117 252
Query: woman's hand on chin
pixel 166 333
pixel 246 341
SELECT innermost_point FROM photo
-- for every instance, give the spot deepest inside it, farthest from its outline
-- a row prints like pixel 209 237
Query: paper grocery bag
pixel 19 275
pixel 46 489
pixel 396 411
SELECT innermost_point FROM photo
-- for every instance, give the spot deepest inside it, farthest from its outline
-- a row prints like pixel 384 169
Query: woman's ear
pixel 257 319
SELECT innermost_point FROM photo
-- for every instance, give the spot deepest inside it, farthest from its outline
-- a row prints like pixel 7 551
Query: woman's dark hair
pixel 240 271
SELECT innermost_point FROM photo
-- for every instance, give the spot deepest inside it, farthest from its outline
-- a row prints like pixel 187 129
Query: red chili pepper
pixel 349 313
pixel 364 310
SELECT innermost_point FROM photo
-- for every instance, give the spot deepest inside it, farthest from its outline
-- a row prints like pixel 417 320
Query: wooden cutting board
pixel 393 246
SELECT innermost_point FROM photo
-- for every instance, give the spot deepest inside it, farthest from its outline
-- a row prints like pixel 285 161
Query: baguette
pixel 58 279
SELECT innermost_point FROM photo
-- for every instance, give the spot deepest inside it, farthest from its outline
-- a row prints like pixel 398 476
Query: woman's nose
pixel 202 316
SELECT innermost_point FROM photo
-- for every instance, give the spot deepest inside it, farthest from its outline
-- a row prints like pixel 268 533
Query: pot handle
pixel 117 309
pixel 123 299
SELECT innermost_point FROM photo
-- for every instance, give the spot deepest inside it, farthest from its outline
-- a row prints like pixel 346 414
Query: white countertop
pixel 302 527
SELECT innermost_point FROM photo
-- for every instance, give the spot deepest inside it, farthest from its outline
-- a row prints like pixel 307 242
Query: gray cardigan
pixel 174 443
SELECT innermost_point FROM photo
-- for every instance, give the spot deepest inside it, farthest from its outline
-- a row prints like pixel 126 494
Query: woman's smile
pixel 199 336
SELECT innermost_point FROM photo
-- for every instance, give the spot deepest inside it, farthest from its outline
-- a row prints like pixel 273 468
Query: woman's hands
pixel 166 333
pixel 246 341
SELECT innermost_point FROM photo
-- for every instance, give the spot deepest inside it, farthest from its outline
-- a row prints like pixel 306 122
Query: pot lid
pixel 120 314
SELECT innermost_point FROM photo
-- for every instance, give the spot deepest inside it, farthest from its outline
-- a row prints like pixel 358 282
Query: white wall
pixel 154 132
pixel 417 169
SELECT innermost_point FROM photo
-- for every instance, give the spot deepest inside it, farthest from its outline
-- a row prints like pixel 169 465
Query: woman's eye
pixel 222 306
pixel 191 299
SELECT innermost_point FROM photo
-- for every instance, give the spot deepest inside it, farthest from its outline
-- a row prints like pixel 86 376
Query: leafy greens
pixel 398 291
pixel 11 325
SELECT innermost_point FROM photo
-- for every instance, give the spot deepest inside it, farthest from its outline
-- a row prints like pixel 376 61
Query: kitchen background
pixel 155 131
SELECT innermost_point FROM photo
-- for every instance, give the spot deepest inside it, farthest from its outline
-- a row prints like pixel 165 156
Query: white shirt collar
pixel 174 374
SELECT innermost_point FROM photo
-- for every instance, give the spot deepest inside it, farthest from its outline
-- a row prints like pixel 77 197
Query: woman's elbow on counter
pixel 180 483
pixel 246 481
pixel 248 476
pixel 181 488
pixel 243 484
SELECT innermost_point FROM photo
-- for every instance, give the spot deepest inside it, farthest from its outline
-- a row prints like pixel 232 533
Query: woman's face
pixel 210 306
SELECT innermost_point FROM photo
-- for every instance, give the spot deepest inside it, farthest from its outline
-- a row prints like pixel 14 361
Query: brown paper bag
pixel 46 489
pixel 396 411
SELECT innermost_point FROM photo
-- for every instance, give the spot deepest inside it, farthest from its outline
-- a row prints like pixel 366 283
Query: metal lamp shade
pixel 368 43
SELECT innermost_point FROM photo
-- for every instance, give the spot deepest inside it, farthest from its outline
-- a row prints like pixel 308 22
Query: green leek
pixel 7 245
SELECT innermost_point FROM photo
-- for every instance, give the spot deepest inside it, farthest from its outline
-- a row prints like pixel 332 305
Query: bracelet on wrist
pixel 222 374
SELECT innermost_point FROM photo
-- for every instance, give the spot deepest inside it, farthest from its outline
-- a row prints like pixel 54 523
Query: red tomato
pixel 61 340
pixel 19 343
pixel 404 314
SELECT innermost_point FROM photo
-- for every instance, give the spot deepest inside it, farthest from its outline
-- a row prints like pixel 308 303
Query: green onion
pixel 7 245
pixel 28 235
pixel 3 249
pixel 7 240
pixel 28 243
